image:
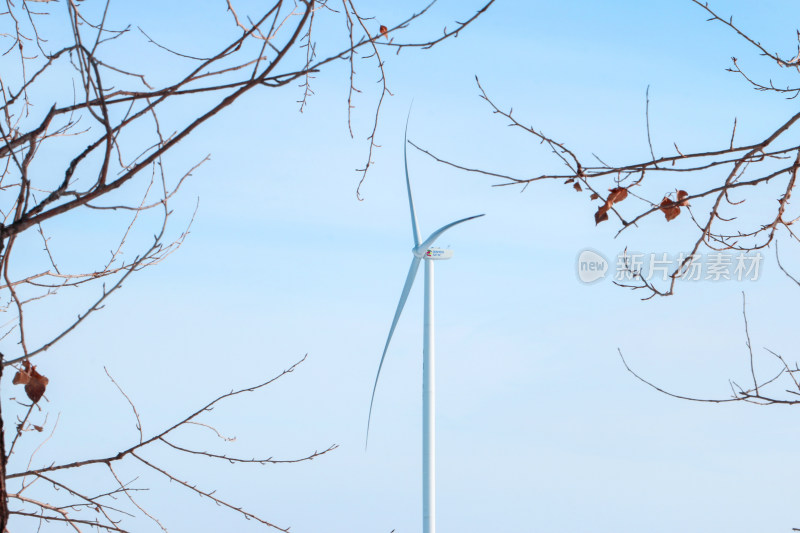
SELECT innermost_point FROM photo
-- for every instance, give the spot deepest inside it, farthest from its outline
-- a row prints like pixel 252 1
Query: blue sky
pixel 540 428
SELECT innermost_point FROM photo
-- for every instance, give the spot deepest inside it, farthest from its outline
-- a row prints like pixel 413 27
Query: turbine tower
pixel 422 250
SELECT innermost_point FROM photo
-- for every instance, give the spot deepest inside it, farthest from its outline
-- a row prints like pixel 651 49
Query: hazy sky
pixel 540 428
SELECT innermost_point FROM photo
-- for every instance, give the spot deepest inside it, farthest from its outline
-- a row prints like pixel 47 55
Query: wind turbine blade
pixel 414 227
pixel 436 234
pixel 412 273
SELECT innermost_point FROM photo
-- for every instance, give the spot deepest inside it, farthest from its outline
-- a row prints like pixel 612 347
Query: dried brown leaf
pixel 616 194
pixel 20 377
pixel 601 215
pixel 35 383
pixel 670 208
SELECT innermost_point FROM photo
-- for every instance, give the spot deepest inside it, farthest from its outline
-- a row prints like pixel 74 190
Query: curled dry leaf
pixel 577 186
pixel 35 383
pixel 384 31
pixel 617 194
pixel 594 196
pixel 670 208
pixel 682 195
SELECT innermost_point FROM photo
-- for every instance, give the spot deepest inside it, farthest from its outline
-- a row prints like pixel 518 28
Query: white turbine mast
pixel 422 251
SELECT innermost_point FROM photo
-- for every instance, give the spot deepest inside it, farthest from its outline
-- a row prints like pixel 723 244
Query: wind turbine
pixel 422 250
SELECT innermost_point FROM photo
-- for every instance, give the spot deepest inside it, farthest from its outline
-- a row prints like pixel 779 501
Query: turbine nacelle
pixel 435 254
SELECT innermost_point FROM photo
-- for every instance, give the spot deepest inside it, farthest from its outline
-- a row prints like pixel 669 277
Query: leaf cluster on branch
pixel 716 201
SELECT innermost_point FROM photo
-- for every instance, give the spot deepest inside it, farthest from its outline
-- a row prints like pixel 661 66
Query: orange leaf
pixel 682 195
pixel 594 196
pixel 670 208
pixel 577 186
pixel 384 31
